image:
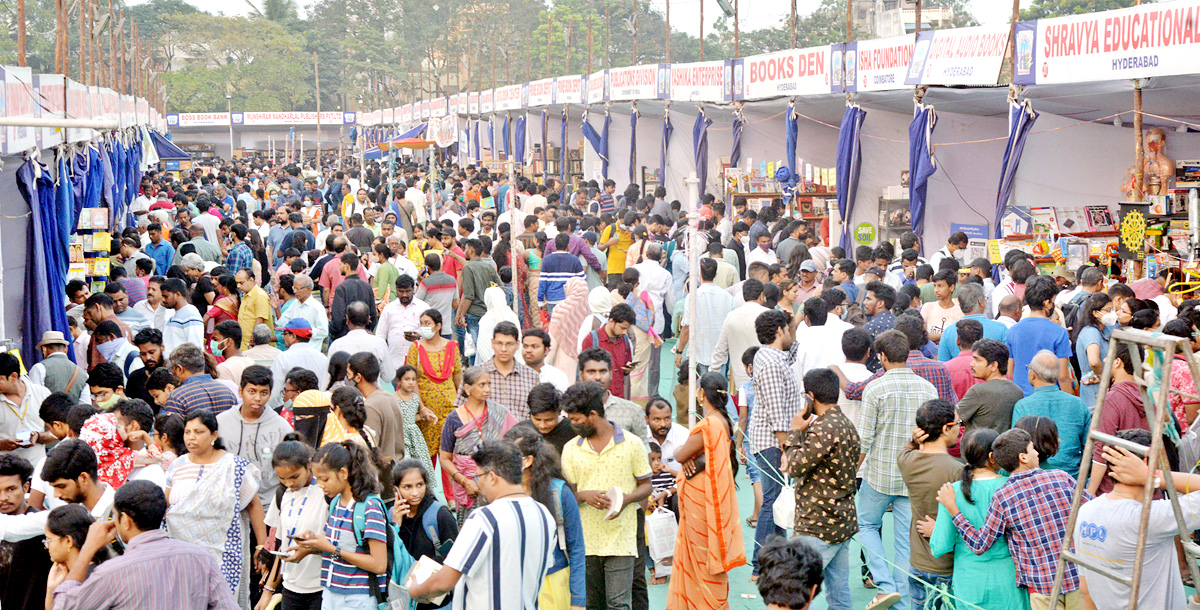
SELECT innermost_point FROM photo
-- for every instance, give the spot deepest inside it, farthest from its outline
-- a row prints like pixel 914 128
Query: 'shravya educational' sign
pixel 963 56
pixel 785 73
pixel 1136 42
pixel 705 81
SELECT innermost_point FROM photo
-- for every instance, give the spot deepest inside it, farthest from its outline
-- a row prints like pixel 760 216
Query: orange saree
pixel 709 543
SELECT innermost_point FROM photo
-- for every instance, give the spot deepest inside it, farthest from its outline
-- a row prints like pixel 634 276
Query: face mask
pixel 215 347
pixel 1109 319
pixel 109 349
pixel 765 247
pixel 745 241
pixel 426 332
pixel 108 403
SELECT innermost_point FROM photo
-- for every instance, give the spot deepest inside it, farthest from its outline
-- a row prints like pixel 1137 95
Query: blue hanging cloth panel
pixel 45 297
pixel 604 145
pixel 519 138
pixel 597 141
pixel 478 151
pixel 504 133
pixel 1021 117
pixel 700 142
pixel 562 150
pixel 921 165
pixel 739 122
pixel 667 130
pixel 545 145
pixel 792 130
pixel 492 138
pixel 633 121
pixel 849 164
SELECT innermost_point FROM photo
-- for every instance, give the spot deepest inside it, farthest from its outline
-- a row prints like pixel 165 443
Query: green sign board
pixel 865 234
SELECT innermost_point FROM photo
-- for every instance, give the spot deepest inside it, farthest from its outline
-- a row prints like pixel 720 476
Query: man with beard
pixel 605 456
pixel 149 344
pixel 24 565
pixel 668 434
pixel 595 364
pixel 71 468
pixel 400 321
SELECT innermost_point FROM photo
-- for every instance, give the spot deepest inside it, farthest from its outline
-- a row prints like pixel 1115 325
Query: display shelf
pixel 1083 234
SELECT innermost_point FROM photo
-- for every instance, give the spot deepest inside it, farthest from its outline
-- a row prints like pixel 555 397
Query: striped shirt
pixel 200 392
pixel 557 269
pixel 155 572
pixel 777 396
pixel 337 575
pixel 503 552
pixel 184 326
pixel 889 413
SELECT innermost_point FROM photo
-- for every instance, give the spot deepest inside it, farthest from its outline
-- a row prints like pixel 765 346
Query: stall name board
pixel 597 87
pixel 78 107
pixel 706 81
pixel 197 119
pixel 568 89
pixel 423 105
pixel 52 90
pixel 18 102
pixel 486 101
pixel 280 118
pixel 1137 42
pixel 473 102
pixel 791 72
pixel 508 98
pixel 634 83
pixel 963 56
pixel 406 113
pixel 877 65
pixel 437 107
pixel 541 92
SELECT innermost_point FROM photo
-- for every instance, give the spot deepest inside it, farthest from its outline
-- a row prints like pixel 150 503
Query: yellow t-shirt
pixel 255 304
pixel 621 464
pixel 617 251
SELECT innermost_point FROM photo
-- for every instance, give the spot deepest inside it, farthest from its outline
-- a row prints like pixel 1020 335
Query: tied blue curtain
pixel 739 122
pixel 478 151
pixel 504 133
pixel 562 150
pixel 45 284
pixel 545 146
pixel 700 142
pixel 667 130
pixel 604 145
pixel 921 165
pixel 792 129
pixel 1021 117
pixel 599 142
pixel 492 138
pixel 519 138
pixel 633 120
pixel 849 164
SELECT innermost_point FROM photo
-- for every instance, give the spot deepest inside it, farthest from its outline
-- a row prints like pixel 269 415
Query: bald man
pixel 1010 310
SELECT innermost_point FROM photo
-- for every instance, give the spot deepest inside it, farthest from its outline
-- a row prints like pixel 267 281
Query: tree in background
pixel 1042 9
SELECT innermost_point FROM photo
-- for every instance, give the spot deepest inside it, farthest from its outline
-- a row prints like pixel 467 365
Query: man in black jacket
pixel 352 289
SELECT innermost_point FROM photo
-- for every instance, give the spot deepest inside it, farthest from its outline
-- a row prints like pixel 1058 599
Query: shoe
pixel 869 583
pixel 884 601
pixel 752 522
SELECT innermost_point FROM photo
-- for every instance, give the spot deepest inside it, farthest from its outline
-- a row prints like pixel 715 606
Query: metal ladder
pixel 1169 345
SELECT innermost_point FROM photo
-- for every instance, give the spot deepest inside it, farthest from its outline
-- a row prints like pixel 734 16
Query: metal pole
pixel 122 56
pixel 607 37
pixel 97 124
pixel 229 108
pixel 589 43
pixel 570 40
pixel 112 46
pixel 82 49
pixel 635 32
pixel 549 39
pixel 317 83
pixel 702 36
pixel 918 20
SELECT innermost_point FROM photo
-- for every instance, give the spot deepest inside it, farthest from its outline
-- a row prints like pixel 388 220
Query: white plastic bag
pixel 661 530
pixel 784 509
pixel 468 345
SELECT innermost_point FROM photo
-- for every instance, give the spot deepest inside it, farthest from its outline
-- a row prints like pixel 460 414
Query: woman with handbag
pixel 709 543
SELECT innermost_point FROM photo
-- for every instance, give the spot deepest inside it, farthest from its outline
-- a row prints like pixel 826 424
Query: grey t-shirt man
pixel 989 405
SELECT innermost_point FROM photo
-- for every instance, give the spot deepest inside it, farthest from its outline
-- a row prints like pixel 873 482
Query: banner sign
pixel 597 87
pixel 78 108
pixel 962 56
pixel 784 73
pixel 443 131
pixel 508 98
pixel 406 114
pixel 423 106
pixel 705 81
pixel 473 102
pixel 487 101
pixel 569 89
pixel 632 83
pixel 52 96
pixel 251 119
pixel 541 92
pixel 18 102
pixel 128 110
pixel 452 107
pixel 197 119
pixel 437 107
pixel 877 65
pixel 1136 42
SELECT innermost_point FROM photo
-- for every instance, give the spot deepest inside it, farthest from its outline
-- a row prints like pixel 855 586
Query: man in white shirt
pixel 856 348
pixel 359 339
pixel 668 434
pixel 299 353
pixel 738 334
pixel 657 281
pixel 535 344
pixel 817 337
pixel 210 223
pixel 956 247
pixel 307 307
pixel 762 251
pixel 400 321
pixel 535 200
pixel 20 425
pixel 1009 310
pixel 70 468
pixel 152 306
pixel 184 325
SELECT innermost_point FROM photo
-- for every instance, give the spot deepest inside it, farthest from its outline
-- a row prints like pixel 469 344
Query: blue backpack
pixel 430 526
pixel 399 561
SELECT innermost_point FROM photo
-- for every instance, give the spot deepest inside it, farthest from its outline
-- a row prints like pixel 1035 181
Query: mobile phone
pixel 634 363
pixel 281 553
pixel 295 537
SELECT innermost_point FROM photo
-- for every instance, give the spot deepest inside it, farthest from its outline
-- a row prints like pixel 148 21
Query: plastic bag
pixel 784 509
pixel 661 529
pixel 468 345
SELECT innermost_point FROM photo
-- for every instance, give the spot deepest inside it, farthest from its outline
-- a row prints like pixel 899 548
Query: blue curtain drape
pixel 792 129
pixel 849 163
pixel 667 130
pixel 700 143
pixel 633 121
pixel 739 122
pixel 478 150
pixel 519 138
pixel 921 165
pixel 504 134
pixel 492 138
pixel 1021 117
pixel 545 146
pixel 599 141
pixel 604 144
pixel 562 150
pixel 45 297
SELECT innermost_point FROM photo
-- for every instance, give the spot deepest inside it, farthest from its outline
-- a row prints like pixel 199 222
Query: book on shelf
pixel 1043 220
pixel 1073 220
pixel 1100 217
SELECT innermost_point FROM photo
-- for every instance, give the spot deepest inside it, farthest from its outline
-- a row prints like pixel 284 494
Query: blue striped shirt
pixel 200 392
pixel 338 576
pixel 557 269
pixel 503 552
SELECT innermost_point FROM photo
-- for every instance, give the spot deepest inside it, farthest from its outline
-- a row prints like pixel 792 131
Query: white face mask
pixel 426 332
pixel 745 241
pixel 1109 319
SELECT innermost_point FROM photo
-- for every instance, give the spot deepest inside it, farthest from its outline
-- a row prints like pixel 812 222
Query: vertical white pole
pixel 693 284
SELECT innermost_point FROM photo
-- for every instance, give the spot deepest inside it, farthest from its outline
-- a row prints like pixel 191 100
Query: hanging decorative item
pixel 1132 230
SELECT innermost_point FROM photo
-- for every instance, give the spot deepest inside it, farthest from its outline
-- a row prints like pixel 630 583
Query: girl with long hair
pixel 466 429
pixel 224 307
pixel 543 480
pixel 301 507
pixel 425 525
pixel 413 411
pixel 350 559
pixel 709 543
pixel 212 498
pixel 986 580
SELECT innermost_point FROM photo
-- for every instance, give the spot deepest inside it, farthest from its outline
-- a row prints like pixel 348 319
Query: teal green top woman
pixel 987 580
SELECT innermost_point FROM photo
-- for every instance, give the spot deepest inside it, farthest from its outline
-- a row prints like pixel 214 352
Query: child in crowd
pixel 298 506
pixel 413 412
pixel 663 482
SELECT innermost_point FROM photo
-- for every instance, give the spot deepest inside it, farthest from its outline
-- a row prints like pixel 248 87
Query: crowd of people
pixel 464 372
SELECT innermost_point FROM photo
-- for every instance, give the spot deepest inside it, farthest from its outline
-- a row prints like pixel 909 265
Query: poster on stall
pixel 1157 39
pixel 962 56
pixel 877 65
pixel 785 73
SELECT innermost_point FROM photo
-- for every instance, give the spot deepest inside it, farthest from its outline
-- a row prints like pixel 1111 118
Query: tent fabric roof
pixel 167 151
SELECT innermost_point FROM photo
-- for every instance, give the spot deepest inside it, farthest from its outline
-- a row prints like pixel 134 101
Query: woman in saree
pixel 709 543
pixel 568 318
pixel 439 373
pixel 466 429
pixel 497 311
pixel 644 337
pixel 212 501
pixel 224 307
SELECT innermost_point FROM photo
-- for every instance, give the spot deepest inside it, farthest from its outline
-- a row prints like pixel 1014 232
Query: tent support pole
pixel 1139 145
pixel 97 124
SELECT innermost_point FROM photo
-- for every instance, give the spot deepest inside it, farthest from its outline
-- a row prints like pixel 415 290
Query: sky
pixel 765 14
